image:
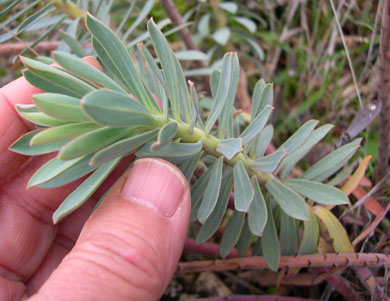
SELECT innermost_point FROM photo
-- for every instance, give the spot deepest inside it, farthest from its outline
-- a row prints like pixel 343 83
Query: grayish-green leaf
pixel 263 140
pixel 255 127
pixel 270 242
pixel 84 70
pixel 247 23
pixel 309 242
pixel 318 192
pixel 288 235
pixel 204 25
pixel 92 142
pixel 330 161
pixel 266 98
pixel 115 56
pixel 226 90
pixel 232 233
pixel 122 147
pixel 32 18
pixel 215 218
pixel 145 11
pixel 212 191
pixel 191 55
pixel 291 202
pixel 107 107
pixel 243 190
pixel 63 132
pixel 256 48
pixel 73 44
pixel 173 152
pixel 299 137
pixel 269 163
pixel 22 145
pixel 257 213
pixel 341 176
pixel 256 97
pixel 195 118
pixel 214 81
pixel 197 192
pixel 221 36
pixel 83 192
pixel 230 147
pixel 229 6
pixel 244 240
pixel 32 114
pixel 60 106
pixel 165 135
pixel 188 168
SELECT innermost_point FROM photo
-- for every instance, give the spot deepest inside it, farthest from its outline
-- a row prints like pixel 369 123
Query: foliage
pixel 94 119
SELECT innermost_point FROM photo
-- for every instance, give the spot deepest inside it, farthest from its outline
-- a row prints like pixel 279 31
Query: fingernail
pixel 156 184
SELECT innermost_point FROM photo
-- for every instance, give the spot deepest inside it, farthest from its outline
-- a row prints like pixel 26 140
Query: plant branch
pixel 9 49
pixel 372 260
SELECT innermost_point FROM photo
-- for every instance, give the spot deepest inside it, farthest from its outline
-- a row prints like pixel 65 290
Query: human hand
pixel 127 249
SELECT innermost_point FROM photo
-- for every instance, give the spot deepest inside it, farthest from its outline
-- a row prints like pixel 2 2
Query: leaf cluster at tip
pixel 95 118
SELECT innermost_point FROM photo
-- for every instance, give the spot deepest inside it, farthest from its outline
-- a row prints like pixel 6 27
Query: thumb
pixel 130 246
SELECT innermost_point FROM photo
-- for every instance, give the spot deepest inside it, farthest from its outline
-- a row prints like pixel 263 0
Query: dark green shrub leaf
pixel 243 191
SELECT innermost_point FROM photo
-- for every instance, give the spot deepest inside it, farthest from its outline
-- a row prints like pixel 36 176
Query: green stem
pixel 69 8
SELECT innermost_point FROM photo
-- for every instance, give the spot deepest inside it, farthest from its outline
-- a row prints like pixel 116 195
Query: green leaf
pixel 214 81
pixel 288 235
pixel 122 147
pixel 115 57
pixel 165 135
pixel 244 240
pixel 309 242
pixel 32 18
pixel 82 193
pixel 107 107
pixel 232 233
pixel 50 170
pixel 331 161
pixel 204 25
pixel 9 8
pixel 197 192
pixel 221 36
pixel 270 242
pixel 262 141
pixel 58 77
pixel 60 106
pixel 243 191
pixel 22 145
pixel 173 152
pixel 291 202
pixel 299 137
pixel 145 11
pixel 266 98
pixel 212 191
pixel 173 74
pixel 269 163
pixel 84 70
pixel 213 221
pixel 257 213
pixel 188 168
pixel 256 98
pixel 247 23
pixel 255 127
pixel 256 48
pixel 318 192
pixel 63 132
pixel 191 55
pixel 230 147
pixel 73 44
pixel 229 6
pixel 226 89
pixel 74 172
pixel 195 109
pixel 291 159
pixel 92 141
pixel 32 114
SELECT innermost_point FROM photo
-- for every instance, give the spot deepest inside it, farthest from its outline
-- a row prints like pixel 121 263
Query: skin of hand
pixel 127 249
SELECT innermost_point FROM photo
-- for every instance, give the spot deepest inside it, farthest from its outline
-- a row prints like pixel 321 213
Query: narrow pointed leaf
pixel 357 176
pixel 145 11
pixel 32 114
pixel 214 82
pixel 173 152
pixel 255 127
pixel 188 168
pixel 22 145
pixel 244 240
pixel 58 77
pixel 299 136
pixel 165 135
pixel 116 57
pixel 197 192
pixel 230 147
pixel 262 141
pixel 107 107
pixel 60 106
pixel 92 142
pixel 318 192
pixel 288 235
pixel 265 99
pixel 33 18
pixel 256 98
pixel 221 36
pixel 270 242
pixel 243 191
pixel 309 242
pixel 257 213
pixel 291 202
pixel 269 163
pixel 226 89
pixel 83 192
pixel 337 233
pixel 195 109
pixel 74 172
pixel 63 132
pixel 215 218
pixel 84 70
pixel 73 44
pixel 122 147
pixel 212 191
pixel 331 160
pixel 232 233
